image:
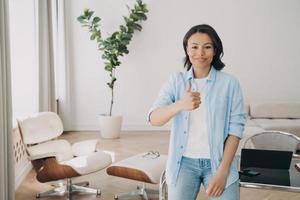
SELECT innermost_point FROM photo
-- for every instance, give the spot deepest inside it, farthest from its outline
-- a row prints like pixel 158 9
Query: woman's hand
pixel 217 184
pixel 191 100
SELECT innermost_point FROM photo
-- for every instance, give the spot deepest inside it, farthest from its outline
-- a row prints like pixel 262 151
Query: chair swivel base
pixel 69 189
pixel 142 192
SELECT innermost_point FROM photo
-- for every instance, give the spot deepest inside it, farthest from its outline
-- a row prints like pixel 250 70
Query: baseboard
pixel 21 174
pixel 124 128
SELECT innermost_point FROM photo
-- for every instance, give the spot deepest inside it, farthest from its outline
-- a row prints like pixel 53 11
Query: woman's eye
pixel 194 47
pixel 208 47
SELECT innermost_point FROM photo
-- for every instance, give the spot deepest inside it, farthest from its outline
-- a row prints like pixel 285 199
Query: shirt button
pixel 186 118
pixel 181 146
pixel 178 162
pixel 184 132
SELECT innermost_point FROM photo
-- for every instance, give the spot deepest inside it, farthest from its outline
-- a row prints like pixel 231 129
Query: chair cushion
pixel 140 168
pixel 285 125
pixel 61 147
pixel 85 147
pixel 40 127
pixel 275 110
pixel 89 163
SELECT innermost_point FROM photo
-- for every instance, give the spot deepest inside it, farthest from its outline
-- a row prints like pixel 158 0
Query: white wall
pixel 23 65
pixel 24 76
pixel 260 38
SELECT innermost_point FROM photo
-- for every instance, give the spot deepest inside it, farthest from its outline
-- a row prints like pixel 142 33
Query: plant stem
pixel 112 92
pixel 111 102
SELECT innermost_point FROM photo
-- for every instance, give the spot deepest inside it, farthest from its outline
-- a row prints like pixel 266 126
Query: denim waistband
pixel 200 162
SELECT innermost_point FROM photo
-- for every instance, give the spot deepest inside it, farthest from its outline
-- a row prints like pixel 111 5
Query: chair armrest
pixel 45 155
pixel 85 147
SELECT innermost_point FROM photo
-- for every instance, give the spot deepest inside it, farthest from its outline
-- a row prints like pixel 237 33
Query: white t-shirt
pixel 197 144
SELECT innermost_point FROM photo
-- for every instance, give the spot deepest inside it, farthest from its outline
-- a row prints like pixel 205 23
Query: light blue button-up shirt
pixel 224 112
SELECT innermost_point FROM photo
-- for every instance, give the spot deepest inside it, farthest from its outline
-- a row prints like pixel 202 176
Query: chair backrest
pixel 273 140
pixel 40 127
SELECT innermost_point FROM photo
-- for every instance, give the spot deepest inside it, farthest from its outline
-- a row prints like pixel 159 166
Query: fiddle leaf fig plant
pixel 115 45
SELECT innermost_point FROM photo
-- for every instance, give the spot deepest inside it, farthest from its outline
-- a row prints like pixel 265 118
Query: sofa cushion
pixel 250 123
pixel 275 110
pixel 285 125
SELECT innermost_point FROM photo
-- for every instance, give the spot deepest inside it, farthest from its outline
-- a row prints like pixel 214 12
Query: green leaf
pixel 96 19
pixel 134 16
pixel 108 67
pixel 88 14
pixel 86 11
pixel 127 20
pixel 137 26
pixel 92 37
pixel 141 16
pixel 103 56
pixel 123 28
pixel 110 85
pixel 81 18
pixel 114 35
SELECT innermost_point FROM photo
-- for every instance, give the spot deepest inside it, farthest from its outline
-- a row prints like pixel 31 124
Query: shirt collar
pixel 211 75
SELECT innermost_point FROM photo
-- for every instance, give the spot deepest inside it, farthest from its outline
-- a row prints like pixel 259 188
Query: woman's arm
pixel 162 115
pixel 190 101
pixel 231 145
pixel 217 184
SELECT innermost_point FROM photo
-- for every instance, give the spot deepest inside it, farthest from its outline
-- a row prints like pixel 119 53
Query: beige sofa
pixel 271 116
pixel 276 116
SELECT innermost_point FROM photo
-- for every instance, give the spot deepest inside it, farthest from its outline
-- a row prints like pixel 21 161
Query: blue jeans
pixel 192 173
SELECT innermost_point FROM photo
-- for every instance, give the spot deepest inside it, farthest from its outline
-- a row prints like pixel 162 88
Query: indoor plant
pixel 114 46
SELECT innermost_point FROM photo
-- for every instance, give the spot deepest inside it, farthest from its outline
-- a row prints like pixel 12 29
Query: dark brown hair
pixel 204 28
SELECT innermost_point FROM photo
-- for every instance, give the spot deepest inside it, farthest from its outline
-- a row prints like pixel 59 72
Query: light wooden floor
pixel 129 144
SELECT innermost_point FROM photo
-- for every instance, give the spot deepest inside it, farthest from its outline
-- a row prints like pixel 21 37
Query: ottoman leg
pixel 130 194
pixel 143 192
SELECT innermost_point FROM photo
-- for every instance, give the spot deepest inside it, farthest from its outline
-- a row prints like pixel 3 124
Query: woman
pixel 208 121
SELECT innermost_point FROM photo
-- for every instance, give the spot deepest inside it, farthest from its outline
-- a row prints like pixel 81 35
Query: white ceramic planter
pixel 110 126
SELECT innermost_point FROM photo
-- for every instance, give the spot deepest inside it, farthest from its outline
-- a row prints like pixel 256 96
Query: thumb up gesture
pixel 191 100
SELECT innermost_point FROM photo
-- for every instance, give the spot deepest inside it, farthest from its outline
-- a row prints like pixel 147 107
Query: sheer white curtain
pixel 45 55
pixel 62 65
pixel 51 48
pixel 7 187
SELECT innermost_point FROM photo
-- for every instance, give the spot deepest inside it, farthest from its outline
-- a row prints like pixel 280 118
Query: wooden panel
pixel 129 173
pixel 48 169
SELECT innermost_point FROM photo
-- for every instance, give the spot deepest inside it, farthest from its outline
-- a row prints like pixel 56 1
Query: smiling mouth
pixel 200 59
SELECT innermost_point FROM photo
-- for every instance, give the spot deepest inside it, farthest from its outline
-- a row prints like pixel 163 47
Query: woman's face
pixel 200 50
